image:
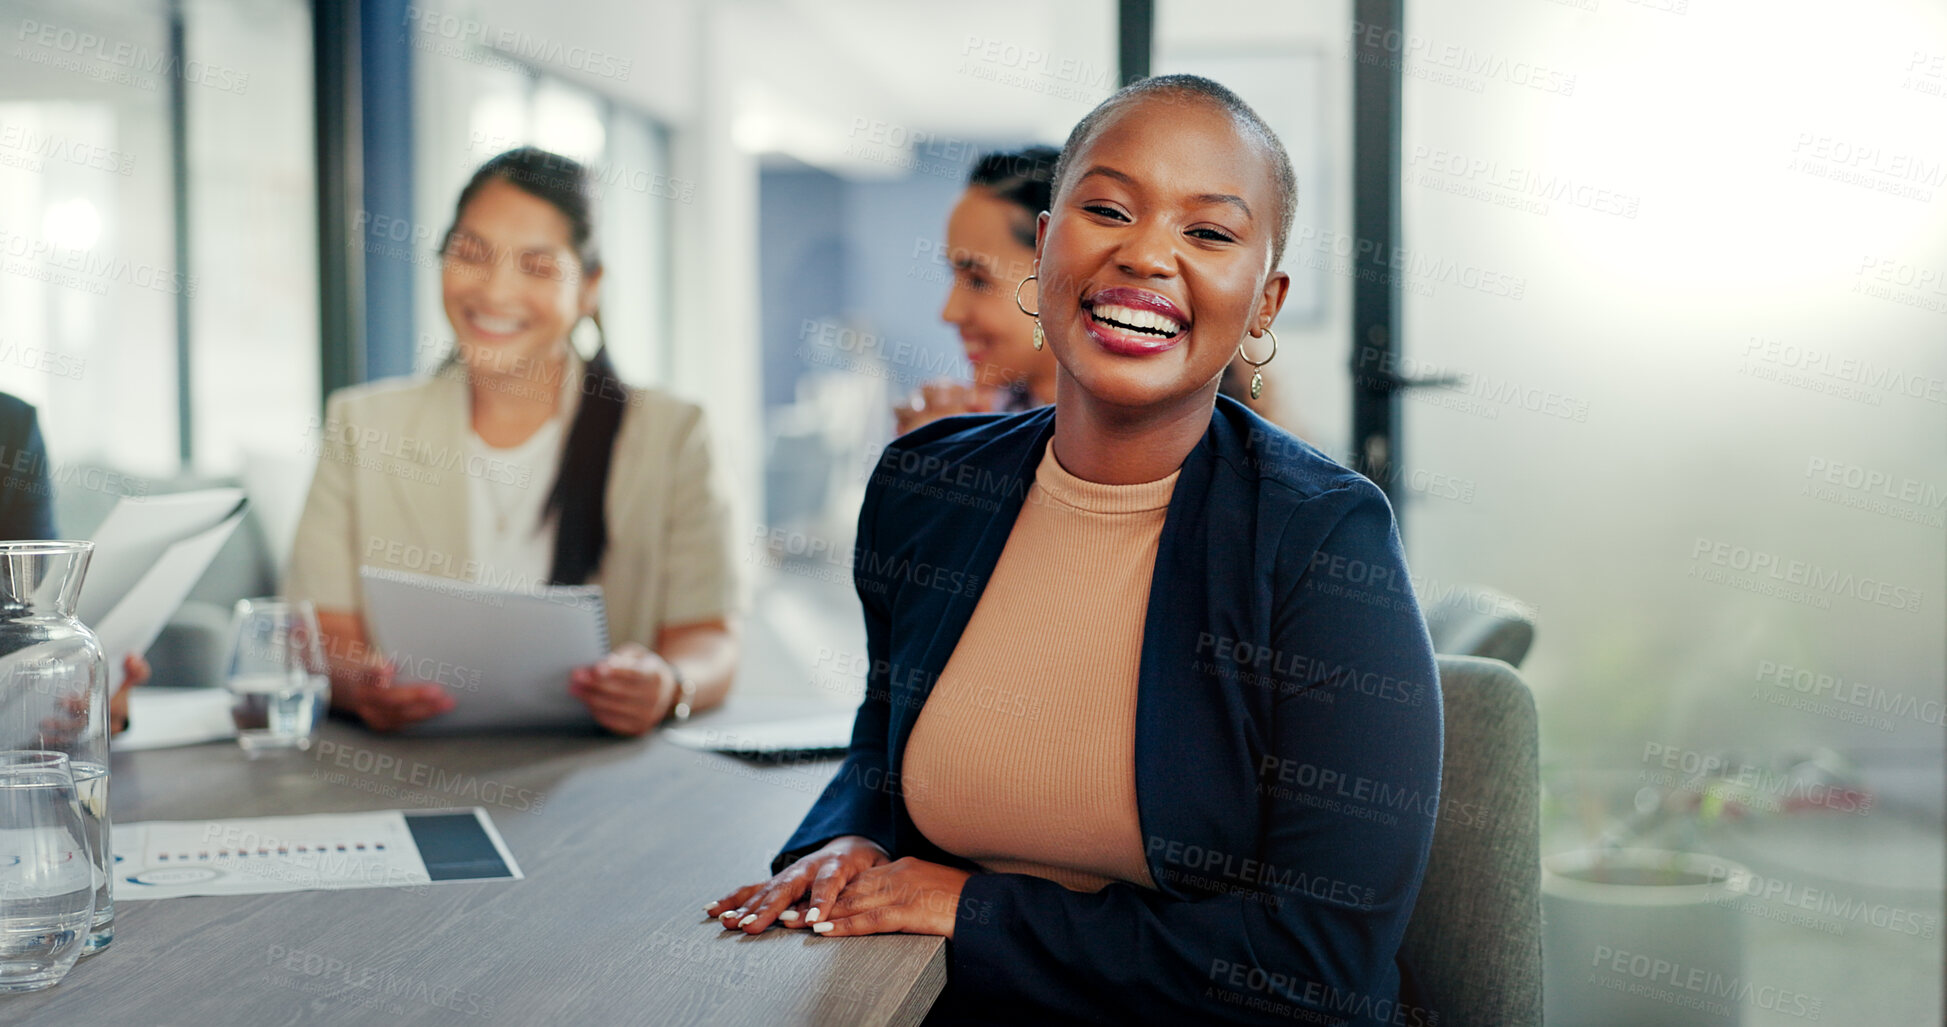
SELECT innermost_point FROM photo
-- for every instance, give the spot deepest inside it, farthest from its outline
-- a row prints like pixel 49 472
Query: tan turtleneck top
pixel 1023 758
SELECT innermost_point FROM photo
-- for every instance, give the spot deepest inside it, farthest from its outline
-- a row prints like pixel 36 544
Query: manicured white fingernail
pixel 812 916
pixel 711 906
pixel 729 914
pixel 823 927
pixel 789 914
pixel 747 921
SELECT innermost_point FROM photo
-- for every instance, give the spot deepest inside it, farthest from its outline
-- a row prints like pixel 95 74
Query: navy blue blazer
pixel 1288 736
pixel 26 499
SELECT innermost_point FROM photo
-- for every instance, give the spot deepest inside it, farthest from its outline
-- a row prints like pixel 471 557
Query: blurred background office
pixel 1665 387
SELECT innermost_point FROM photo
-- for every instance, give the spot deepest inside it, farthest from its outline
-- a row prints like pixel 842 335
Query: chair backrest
pixel 1473 944
pixel 1473 620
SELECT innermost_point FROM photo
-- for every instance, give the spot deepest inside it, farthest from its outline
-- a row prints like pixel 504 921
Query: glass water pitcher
pixel 54 689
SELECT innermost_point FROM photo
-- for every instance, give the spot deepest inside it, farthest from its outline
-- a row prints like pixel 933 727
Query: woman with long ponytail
pixel 520 463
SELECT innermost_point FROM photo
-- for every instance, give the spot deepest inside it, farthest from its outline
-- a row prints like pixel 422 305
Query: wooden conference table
pixel 622 843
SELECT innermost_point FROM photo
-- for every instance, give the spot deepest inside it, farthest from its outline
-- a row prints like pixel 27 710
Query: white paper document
pixel 163 718
pixel 167 859
pixel 504 656
pixel 149 553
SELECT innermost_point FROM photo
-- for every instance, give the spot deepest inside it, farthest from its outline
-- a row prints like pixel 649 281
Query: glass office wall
pixel 1687 261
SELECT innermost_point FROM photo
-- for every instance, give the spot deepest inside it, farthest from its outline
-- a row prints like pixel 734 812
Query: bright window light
pixel 72 224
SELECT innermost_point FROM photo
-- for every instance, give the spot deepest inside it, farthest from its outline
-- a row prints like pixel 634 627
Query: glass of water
pixel 47 875
pixel 279 685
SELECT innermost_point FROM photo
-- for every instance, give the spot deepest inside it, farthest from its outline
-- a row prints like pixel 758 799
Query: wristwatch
pixel 685 695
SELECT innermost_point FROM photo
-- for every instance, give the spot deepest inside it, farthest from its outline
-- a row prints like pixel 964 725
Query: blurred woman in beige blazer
pixel 519 464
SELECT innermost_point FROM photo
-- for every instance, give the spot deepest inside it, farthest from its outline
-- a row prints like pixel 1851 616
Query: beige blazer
pixel 391 491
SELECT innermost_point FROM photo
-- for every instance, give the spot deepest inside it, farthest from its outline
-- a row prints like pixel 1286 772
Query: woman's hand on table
pixel 800 894
pixel 135 673
pixel 629 692
pixel 385 704
pixel 905 896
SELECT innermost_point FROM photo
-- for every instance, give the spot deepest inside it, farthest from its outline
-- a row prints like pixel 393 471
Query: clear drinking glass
pixel 278 681
pixel 47 874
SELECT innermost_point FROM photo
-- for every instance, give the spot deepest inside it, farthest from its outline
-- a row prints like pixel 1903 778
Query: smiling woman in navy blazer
pixel 1152 728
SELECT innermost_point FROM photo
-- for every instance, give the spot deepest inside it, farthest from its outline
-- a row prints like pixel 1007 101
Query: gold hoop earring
pixel 1040 338
pixel 1257 379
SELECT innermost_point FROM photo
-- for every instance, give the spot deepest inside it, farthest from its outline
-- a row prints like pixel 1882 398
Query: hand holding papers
pixel 504 656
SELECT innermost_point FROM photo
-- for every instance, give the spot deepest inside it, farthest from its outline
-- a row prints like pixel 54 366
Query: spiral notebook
pixel 503 655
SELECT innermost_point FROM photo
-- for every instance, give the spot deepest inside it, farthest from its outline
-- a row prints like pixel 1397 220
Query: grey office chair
pixel 1474 941
pixel 1473 620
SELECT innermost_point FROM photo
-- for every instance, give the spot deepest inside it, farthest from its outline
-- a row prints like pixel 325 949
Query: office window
pixel 88 208
pixel 87 232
